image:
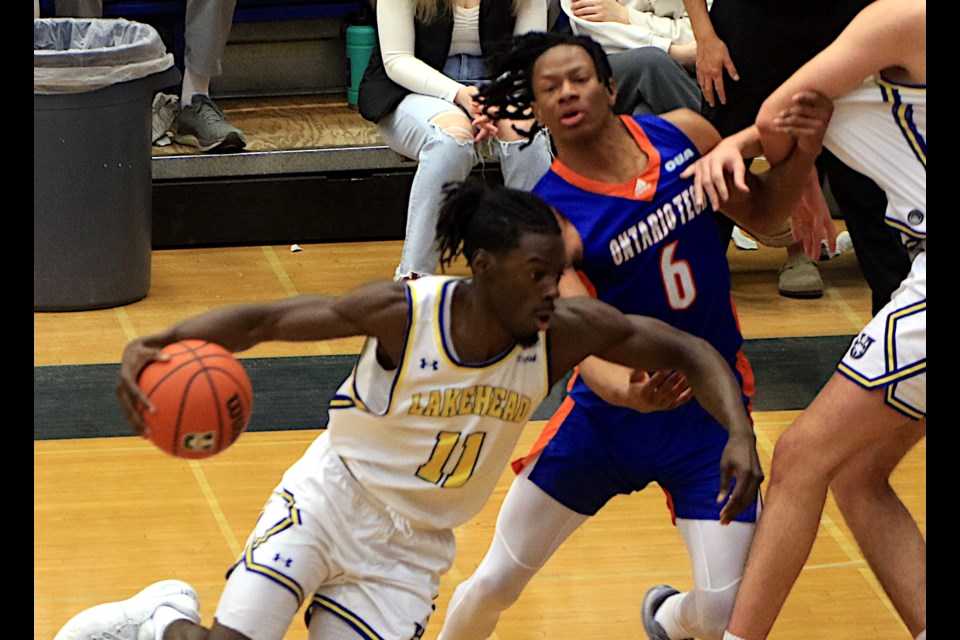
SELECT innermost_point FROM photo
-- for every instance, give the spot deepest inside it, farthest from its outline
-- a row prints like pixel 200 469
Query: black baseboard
pixel 280 209
pixel 342 206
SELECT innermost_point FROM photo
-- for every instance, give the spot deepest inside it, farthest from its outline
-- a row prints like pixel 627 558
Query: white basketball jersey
pixel 880 129
pixel 431 438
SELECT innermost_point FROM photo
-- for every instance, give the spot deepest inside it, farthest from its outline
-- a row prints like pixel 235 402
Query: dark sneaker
pixel 651 602
pixel 132 619
pixel 203 125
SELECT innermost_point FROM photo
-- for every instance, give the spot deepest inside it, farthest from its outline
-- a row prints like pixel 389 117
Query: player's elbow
pixel 688 353
pixel 766 118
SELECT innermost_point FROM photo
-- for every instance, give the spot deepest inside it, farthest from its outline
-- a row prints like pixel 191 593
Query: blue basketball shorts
pixel 602 451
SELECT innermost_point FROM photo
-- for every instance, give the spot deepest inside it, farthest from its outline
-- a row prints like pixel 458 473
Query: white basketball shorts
pixel 321 533
pixel 891 351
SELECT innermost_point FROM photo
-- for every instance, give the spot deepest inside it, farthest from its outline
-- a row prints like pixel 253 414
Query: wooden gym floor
pixel 113 514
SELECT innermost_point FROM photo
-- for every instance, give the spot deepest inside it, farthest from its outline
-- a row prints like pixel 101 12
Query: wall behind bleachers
pixel 293 57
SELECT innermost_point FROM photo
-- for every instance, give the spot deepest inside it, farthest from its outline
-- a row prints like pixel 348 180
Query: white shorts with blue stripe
pixel 322 537
pixel 891 351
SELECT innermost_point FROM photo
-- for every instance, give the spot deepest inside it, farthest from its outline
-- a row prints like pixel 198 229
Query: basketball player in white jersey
pixel 872 411
pixel 419 433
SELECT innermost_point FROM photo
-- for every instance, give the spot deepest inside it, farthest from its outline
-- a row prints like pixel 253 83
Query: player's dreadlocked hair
pixel 510 94
pixel 476 216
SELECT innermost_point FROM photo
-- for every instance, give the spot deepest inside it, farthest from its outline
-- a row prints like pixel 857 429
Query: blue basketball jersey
pixel 647 248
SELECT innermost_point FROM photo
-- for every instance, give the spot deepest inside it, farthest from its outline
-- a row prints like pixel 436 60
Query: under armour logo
pixel 286 561
pixel 433 363
pixel 860 345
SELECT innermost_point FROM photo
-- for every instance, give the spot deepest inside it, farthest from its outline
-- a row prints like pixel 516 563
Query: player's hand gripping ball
pixel 202 396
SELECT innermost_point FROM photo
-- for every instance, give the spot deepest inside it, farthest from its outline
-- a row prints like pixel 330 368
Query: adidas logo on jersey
pixel 640 188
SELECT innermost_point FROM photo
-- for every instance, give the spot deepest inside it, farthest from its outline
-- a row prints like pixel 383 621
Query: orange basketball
pixel 202 396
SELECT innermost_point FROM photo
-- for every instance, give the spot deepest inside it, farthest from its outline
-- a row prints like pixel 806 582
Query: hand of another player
pixel 710 173
pixel 600 11
pixel 712 59
pixel 739 462
pixel 662 391
pixel 136 356
pixel 484 126
pixel 811 222
pixel 806 118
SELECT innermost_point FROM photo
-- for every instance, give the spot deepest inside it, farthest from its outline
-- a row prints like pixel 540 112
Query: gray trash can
pixel 94 81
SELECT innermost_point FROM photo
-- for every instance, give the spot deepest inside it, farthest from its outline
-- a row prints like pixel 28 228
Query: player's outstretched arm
pixel 378 310
pixel 632 388
pixel 763 203
pixel 297 319
pixel 584 326
pixel 887 35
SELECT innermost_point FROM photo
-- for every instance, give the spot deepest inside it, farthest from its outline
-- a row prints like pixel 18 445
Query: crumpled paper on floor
pixel 165 110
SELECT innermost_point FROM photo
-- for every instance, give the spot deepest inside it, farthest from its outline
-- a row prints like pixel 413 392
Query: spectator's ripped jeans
pixel 448 154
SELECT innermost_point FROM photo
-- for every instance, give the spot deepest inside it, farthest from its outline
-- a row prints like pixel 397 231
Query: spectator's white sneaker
pixel 741 241
pixel 844 244
pixel 131 619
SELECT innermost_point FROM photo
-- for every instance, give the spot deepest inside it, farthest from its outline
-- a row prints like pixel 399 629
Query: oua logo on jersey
pixel 480 400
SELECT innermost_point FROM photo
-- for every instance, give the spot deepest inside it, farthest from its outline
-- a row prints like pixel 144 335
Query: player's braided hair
pixel 509 96
pixel 476 216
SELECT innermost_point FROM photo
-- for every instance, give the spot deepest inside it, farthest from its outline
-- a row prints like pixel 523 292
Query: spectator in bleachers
pixel 200 122
pixel 651 49
pixel 419 89
pixel 747 49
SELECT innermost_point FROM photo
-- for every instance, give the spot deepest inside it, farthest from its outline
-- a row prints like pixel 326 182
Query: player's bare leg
pixel 842 420
pixel 887 534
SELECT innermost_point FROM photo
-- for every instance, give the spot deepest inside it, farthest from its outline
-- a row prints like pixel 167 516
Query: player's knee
pixel 795 455
pixel 499 589
pixel 857 482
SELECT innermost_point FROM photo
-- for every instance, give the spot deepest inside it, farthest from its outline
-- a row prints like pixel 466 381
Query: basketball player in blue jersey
pixel 419 433
pixel 635 238
pixel 872 411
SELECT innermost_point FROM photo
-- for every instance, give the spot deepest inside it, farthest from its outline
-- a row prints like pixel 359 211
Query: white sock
pixel 729 636
pixel 193 83
pixel 162 618
pixel 922 635
pixel 668 615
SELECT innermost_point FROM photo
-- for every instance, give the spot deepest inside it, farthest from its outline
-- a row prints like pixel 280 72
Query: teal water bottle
pixel 361 36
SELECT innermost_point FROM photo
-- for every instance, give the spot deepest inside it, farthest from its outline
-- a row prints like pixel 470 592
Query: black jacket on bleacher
pixel 379 95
